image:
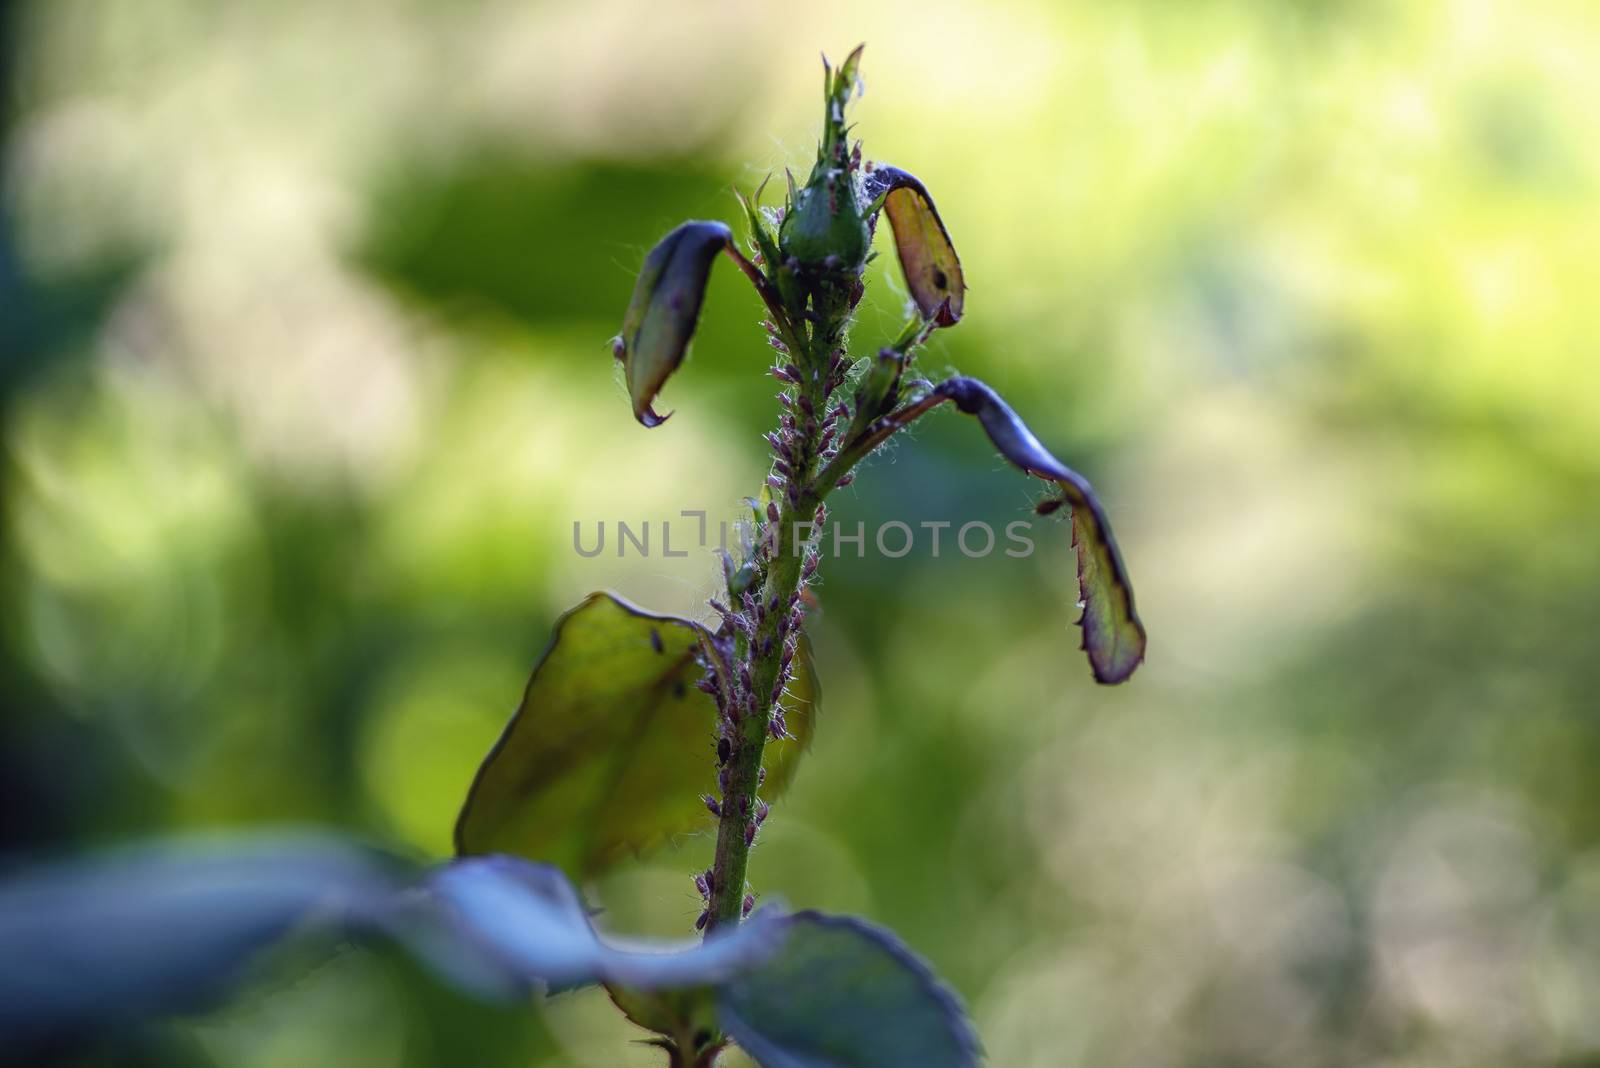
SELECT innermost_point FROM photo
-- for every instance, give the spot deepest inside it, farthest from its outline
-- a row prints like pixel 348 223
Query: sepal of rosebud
pixel 932 268
pixel 665 309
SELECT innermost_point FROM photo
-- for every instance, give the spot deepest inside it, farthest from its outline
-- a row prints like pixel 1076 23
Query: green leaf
pixel 842 993
pixel 530 918
pixel 674 1013
pixel 1113 636
pixel 928 257
pixel 761 234
pixel 665 309
pixel 92 944
pixel 611 748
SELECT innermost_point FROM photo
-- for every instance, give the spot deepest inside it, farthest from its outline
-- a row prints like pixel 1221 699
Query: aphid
pixel 724 751
pixel 655 641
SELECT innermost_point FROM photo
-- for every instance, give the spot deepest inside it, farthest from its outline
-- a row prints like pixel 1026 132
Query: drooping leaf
pixel 95 943
pixel 842 993
pixel 530 917
pixel 927 256
pixel 665 309
pixel 611 748
pixel 1113 636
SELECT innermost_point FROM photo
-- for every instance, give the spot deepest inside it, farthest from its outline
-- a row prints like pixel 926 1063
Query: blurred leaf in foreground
pixel 530 917
pixel 843 993
pixel 89 945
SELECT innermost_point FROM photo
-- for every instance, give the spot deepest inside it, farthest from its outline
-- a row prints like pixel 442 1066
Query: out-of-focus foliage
pixel 304 311
pixel 93 948
pixel 843 993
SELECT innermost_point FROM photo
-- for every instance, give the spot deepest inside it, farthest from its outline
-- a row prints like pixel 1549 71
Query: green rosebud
pixel 824 225
pixel 824 228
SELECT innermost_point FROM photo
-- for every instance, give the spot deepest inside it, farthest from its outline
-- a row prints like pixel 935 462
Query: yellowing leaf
pixel 932 268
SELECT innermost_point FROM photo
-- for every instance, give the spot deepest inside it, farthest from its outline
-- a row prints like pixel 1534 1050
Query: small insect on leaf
pixel 665 309
pixel 932 268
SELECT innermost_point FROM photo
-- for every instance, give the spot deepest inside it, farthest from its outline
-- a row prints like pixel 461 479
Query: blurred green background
pixel 304 310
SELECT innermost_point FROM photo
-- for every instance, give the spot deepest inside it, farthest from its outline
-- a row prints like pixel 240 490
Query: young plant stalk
pixel 807 263
pixel 772 613
pixel 605 755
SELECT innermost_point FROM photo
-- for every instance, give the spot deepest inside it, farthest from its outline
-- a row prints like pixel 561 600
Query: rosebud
pixel 824 227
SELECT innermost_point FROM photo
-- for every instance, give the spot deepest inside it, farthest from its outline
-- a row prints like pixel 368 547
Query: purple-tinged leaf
pixel 932 268
pixel 843 993
pixel 665 309
pixel 1113 636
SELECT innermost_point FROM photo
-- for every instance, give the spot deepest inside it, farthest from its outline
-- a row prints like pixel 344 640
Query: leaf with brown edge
pixel 611 748
pixel 665 309
pixel 927 255
pixel 1113 636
